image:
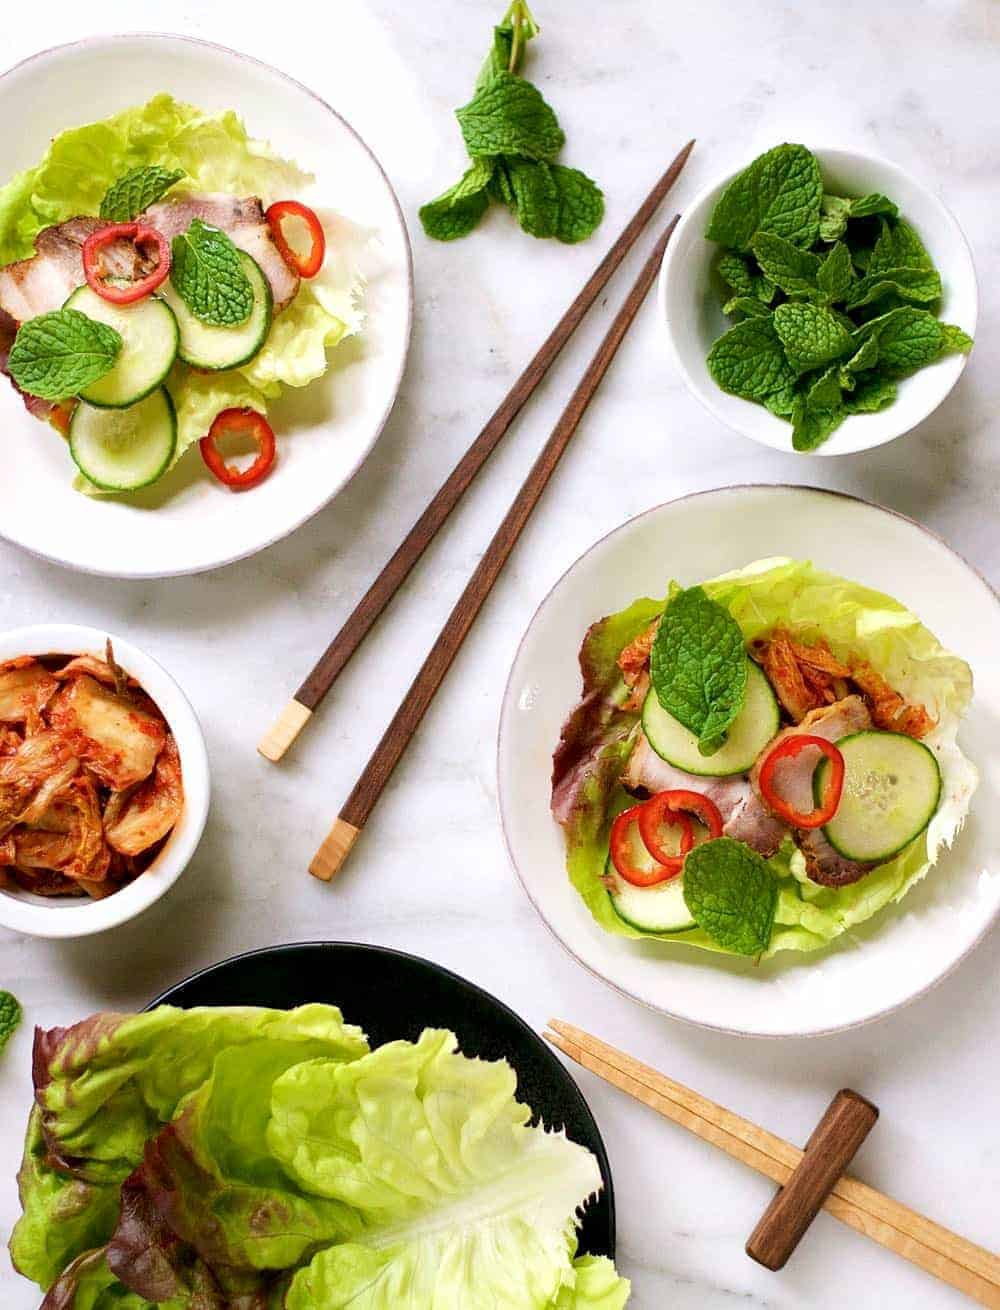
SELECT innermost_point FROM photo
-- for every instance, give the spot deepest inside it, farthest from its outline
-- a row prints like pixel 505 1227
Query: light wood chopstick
pixel 306 700
pixel 362 800
pixel 953 1259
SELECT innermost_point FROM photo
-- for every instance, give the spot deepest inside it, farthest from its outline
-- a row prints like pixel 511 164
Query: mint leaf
pixel 731 894
pixel 747 306
pixel 834 213
pixel 866 356
pixel 581 204
pixel 137 190
pixel 836 274
pixel 908 338
pixel 954 339
pixel 781 403
pixel 59 354
pixel 873 203
pixel 779 192
pixel 871 394
pixel 208 276
pixel 698 666
pixel 509 40
pixel 455 213
pixel 785 265
pixel 920 284
pixel 749 360
pixel 825 391
pixel 510 117
pixel 811 427
pixel 735 271
pixel 898 246
pixel 536 196
pixel 10 1017
pixel 811 335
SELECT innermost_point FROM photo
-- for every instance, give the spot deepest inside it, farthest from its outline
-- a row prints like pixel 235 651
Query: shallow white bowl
pixel 904 949
pixel 188 522
pixel 689 305
pixel 41 916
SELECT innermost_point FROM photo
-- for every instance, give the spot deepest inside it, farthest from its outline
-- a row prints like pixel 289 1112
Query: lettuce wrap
pixel 244 1159
pixel 216 155
pixel 812 604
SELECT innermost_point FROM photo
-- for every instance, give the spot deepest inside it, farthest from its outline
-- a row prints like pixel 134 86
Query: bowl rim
pixel 707 395
pixel 299 520
pixel 84 919
pixel 507 700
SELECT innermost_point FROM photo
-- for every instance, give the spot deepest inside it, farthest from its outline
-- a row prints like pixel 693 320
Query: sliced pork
pixel 744 815
pixel 793 781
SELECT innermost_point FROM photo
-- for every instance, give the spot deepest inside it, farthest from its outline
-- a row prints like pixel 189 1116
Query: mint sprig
pixel 137 190
pixel 58 355
pixel 513 137
pixel 698 666
pixel 846 297
pixel 731 894
pixel 207 274
pixel 10 1017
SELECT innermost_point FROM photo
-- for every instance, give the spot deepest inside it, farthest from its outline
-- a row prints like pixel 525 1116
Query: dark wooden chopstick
pixel 359 805
pixel 299 710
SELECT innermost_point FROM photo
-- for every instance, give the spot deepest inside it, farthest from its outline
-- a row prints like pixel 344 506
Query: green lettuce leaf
pixel 464 1204
pixel 810 602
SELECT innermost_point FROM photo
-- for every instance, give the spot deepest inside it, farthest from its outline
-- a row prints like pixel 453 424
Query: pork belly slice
pixel 26 687
pixel 118 740
pixel 744 815
pixel 793 780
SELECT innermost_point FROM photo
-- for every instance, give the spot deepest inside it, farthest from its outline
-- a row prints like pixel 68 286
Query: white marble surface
pixel 631 82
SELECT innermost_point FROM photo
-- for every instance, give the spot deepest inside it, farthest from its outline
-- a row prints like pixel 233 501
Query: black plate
pixel 391 996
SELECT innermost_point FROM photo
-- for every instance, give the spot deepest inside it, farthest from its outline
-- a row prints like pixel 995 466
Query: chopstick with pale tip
pixel 953 1259
pixel 306 700
pixel 367 790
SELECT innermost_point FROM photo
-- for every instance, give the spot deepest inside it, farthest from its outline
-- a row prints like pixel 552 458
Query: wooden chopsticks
pixel 359 805
pixel 299 710
pixel 964 1265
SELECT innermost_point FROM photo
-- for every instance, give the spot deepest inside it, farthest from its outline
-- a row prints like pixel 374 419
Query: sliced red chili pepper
pixel 787 749
pixel 693 802
pixel 140 235
pixel 651 817
pixel 309 264
pixel 623 847
pixel 241 423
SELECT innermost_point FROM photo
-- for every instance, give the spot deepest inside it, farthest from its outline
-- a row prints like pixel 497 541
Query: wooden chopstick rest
pixel 848 1120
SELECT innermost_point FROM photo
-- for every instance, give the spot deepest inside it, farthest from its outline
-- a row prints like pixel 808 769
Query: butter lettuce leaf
pixel 855 620
pixel 464 1204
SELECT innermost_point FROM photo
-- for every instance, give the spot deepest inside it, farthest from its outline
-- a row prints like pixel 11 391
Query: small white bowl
pixel 40 916
pixel 690 306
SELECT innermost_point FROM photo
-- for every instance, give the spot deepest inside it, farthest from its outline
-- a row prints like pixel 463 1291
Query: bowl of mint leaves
pixel 820 301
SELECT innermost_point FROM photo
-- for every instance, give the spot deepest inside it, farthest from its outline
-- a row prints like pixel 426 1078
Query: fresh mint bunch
pixel 513 137
pixel 834 299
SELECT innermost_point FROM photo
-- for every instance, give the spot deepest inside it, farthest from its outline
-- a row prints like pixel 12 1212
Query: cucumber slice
pixel 756 724
pixel 892 785
pixel 124 449
pixel 149 347
pixel 659 908
pixel 217 348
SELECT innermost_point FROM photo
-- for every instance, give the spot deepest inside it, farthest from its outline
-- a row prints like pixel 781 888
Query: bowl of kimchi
pixel 104 782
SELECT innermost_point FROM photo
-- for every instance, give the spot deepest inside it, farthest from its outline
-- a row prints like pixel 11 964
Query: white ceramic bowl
pixel 878 966
pixel 689 305
pixel 187 522
pixel 40 916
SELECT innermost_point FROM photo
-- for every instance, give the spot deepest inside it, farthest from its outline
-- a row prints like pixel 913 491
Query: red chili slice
pixel 787 750
pixel 622 847
pixel 140 235
pixel 309 264
pixel 693 802
pixel 651 817
pixel 242 423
